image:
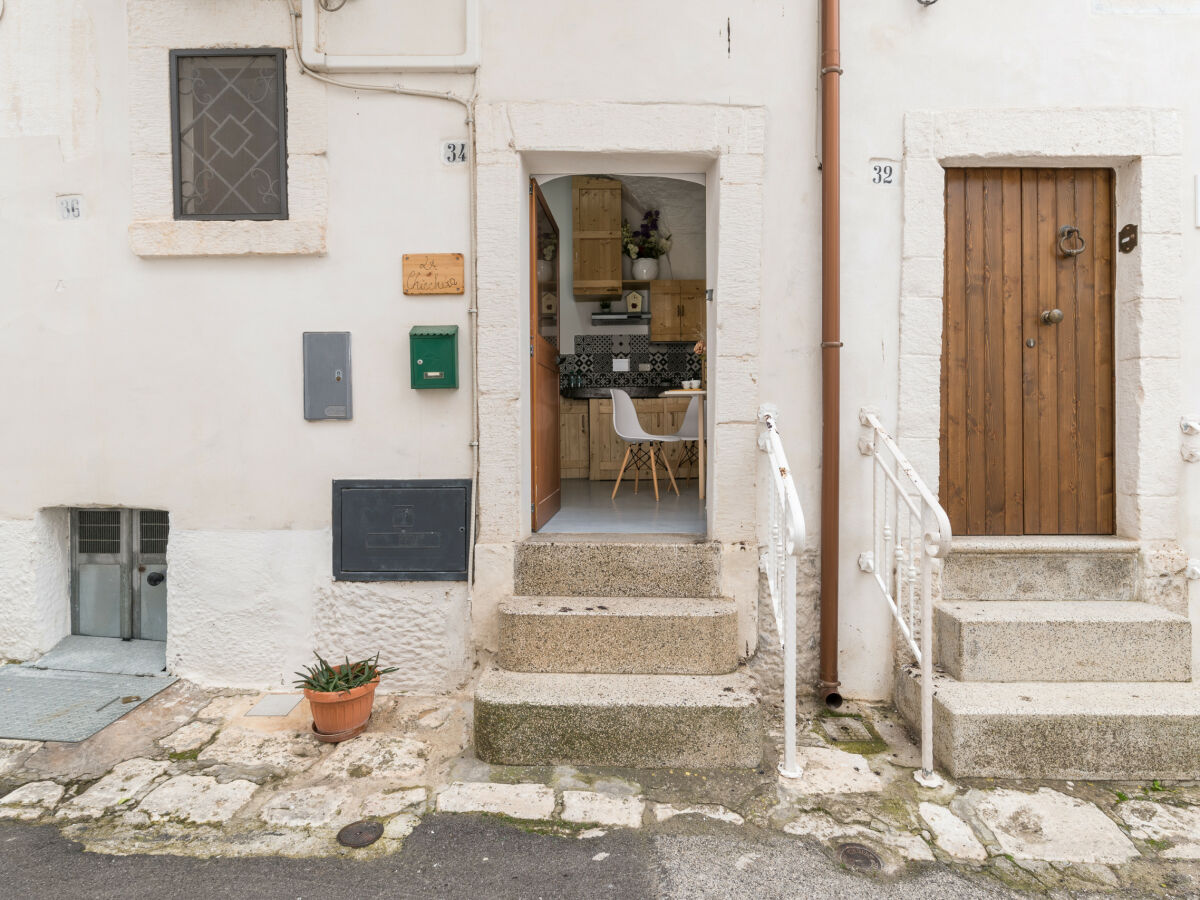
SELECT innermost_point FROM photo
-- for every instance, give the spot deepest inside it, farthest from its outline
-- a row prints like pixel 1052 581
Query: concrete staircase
pixel 1053 669
pixel 618 654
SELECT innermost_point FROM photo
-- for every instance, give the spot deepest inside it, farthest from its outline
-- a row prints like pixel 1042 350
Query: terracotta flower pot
pixel 342 712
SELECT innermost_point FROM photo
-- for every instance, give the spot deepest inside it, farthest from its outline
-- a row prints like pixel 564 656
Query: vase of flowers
pixel 644 245
pixel 701 350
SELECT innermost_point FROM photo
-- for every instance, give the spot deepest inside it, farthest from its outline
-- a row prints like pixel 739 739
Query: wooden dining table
pixel 701 394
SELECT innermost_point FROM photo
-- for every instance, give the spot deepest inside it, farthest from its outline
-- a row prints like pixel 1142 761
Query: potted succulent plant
pixel 341 696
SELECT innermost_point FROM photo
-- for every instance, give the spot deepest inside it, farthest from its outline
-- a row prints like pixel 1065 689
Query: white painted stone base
pixel 35 603
pixel 247 608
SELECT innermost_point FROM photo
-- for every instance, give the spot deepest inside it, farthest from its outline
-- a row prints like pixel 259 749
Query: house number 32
pixel 881 173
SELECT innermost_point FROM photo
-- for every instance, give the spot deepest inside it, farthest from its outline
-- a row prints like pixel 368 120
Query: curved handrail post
pixel 910 531
pixel 785 539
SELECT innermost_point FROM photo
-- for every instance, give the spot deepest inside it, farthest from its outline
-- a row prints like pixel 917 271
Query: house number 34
pixel 454 153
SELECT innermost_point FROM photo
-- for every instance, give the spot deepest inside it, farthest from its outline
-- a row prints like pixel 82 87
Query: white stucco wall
pixel 175 383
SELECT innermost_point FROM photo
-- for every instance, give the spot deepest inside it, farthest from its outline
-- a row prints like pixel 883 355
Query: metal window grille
pixel 229 134
pixel 153 531
pixel 99 531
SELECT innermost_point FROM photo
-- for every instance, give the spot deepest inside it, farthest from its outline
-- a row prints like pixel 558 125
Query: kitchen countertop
pixel 638 392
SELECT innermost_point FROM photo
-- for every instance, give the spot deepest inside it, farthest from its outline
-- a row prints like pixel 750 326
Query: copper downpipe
pixel 831 344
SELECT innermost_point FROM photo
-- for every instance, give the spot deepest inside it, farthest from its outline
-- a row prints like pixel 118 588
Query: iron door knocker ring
pixel 1067 233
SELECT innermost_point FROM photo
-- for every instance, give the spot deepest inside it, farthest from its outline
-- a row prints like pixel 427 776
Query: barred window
pixel 229 135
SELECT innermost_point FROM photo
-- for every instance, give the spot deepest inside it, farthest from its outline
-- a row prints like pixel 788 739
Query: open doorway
pixel 618 324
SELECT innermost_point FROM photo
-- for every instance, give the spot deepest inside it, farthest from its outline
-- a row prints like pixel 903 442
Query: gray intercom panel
pixel 327 375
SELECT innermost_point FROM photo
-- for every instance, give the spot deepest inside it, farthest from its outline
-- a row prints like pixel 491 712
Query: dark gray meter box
pixel 401 530
pixel 327 375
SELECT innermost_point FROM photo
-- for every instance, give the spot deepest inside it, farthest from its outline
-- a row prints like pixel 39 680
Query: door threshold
pixel 615 537
pixel 1044 543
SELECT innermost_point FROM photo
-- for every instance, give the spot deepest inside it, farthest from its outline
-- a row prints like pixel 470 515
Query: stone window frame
pixel 155 27
pixel 1144 146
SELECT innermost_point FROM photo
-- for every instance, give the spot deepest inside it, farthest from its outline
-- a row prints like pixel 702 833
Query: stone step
pixel 1077 640
pixel 622 635
pixel 649 568
pixel 1079 730
pixel 640 721
pixel 1041 568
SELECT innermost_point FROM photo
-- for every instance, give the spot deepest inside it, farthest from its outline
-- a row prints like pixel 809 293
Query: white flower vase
pixel 645 269
pixel 545 271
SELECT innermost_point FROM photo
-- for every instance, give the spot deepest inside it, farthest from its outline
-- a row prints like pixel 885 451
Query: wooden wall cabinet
pixel 574 422
pixel 678 311
pixel 596 237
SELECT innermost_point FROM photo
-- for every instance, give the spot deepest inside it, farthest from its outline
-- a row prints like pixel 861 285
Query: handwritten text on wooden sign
pixel 433 273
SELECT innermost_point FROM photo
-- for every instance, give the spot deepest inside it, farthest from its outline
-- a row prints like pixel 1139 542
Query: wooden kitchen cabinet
pixel 574 422
pixel 606 450
pixel 596 237
pixel 677 310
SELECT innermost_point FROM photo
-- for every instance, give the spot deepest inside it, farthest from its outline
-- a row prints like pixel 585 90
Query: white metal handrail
pixel 909 530
pixel 784 540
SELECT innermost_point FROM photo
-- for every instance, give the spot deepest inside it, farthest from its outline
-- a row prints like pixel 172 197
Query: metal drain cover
pixel 360 834
pixel 845 728
pixel 857 856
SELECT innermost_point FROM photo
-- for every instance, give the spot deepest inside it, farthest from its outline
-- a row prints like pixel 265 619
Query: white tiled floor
pixel 587 508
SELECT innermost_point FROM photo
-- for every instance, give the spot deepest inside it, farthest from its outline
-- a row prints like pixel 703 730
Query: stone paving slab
pixel 198 799
pixel 190 773
pixel 124 784
pixel 1050 826
pixel 1176 826
pixel 30 801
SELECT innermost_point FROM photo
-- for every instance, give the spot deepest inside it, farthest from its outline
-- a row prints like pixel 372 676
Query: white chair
pixel 642 446
pixel 689 435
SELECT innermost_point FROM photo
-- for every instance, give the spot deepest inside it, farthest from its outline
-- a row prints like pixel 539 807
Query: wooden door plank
pixel 1105 350
pixel 992 351
pixel 1045 249
pixel 976 359
pixel 1030 356
pixel 1013 486
pixel 1083 326
pixel 1065 363
pixel 953 475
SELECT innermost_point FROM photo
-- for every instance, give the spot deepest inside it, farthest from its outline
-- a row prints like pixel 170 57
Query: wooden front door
pixel 1027 352
pixel 544 297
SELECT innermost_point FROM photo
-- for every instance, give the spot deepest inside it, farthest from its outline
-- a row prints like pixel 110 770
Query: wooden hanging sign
pixel 434 273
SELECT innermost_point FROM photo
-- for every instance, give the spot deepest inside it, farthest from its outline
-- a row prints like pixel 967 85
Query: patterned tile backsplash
pixel 591 363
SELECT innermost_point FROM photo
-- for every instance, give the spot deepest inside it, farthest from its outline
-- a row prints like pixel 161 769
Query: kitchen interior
pixel 635 324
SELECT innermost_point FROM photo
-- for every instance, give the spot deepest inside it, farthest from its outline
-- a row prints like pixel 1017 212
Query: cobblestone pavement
pixel 190 774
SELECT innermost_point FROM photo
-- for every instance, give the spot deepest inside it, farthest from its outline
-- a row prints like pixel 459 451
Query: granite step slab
pixel 1076 730
pixel 1078 640
pixel 619 635
pixel 640 721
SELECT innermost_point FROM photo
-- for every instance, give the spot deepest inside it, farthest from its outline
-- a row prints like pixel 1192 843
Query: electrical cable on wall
pixel 468 103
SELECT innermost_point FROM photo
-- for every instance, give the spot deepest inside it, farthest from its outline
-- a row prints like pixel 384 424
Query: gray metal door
pixel 119 573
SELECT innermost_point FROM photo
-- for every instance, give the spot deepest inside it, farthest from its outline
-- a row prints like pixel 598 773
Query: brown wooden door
pixel 543 363
pixel 596 235
pixel 1027 405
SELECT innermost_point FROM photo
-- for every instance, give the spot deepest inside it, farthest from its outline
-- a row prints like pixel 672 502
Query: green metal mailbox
pixel 433 352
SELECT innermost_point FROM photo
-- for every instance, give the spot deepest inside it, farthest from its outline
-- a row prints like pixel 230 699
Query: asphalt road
pixel 479 857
